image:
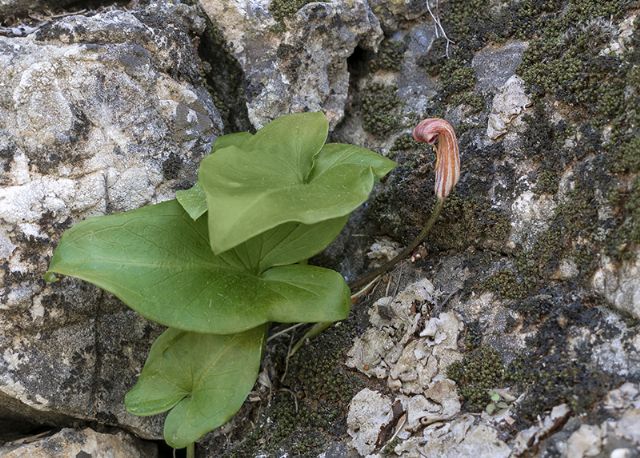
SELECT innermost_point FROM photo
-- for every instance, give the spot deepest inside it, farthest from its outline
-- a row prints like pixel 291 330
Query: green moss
pixel 380 109
pixel 467 222
pixel 282 9
pixel 564 62
pixel 459 84
pixel 460 76
pixel 404 142
pixel 627 157
pixel 471 99
pixel 507 285
pixel 479 371
pixel 322 388
pixel 435 58
pixel 462 18
pixel 389 57
pixel 547 182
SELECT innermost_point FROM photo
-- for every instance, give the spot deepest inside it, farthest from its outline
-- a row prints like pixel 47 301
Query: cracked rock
pixel 463 437
pixel 98 113
pixel 80 443
pixel 300 65
pixel 369 411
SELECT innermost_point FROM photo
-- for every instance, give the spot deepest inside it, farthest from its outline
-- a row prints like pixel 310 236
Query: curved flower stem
pixel 191 450
pixel 369 277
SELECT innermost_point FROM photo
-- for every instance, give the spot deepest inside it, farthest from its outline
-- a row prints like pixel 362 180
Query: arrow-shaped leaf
pixel 284 174
pixel 203 378
pixel 157 260
pixel 194 200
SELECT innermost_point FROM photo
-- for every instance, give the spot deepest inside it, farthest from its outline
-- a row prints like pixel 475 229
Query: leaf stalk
pixel 369 277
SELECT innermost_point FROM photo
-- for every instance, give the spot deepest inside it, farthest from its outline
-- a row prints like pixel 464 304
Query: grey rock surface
pixel 299 63
pixel 23 7
pixel 98 113
pixel 516 329
pixel 530 275
pixel 494 65
pixel 80 443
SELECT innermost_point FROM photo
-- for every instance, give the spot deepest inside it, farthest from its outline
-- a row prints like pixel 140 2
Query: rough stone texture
pixel 515 331
pixel 531 272
pixel 617 435
pixel 80 443
pixel 98 114
pixel 299 64
pixel 22 7
pixel 368 413
pixel 495 65
pixel 508 103
pixel 620 284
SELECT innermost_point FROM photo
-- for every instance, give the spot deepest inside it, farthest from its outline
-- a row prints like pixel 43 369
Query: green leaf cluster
pixel 225 259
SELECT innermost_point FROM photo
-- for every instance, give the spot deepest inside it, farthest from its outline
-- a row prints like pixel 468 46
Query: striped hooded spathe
pixel 438 130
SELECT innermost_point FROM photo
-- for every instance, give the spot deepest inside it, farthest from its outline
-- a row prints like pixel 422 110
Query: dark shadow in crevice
pixel 225 79
pixel 357 64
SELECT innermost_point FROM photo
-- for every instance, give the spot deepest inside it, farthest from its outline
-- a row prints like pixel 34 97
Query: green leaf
pixel 284 174
pixel 203 378
pixel 287 244
pixel 236 139
pixel 157 260
pixel 193 200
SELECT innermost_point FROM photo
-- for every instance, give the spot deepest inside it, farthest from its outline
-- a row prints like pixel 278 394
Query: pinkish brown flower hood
pixel 438 130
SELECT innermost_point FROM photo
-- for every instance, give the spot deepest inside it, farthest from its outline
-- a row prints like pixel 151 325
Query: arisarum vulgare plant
pixel 229 256
pixel 225 259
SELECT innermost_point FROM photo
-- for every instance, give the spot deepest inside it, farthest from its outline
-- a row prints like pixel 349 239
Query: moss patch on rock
pixel 308 408
pixel 389 56
pixel 282 9
pixel 380 108
pixel 480 371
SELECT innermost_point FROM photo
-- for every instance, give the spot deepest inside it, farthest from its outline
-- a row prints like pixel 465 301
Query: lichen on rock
pixel 99 113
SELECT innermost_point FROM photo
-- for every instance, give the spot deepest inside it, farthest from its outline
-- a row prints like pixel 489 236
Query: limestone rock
pixel 531 215
pixel 393 323
pixel 80 443
pixel 620 284
pixel 461 438
pixel 369 411
pixel 508 103
pixel 300 65
pixel 98 113
pixel 494 66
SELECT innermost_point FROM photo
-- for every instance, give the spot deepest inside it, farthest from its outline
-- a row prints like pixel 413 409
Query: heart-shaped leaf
pixel 157 260
pixel 281 174
pixel 194 200
pixel 203 378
